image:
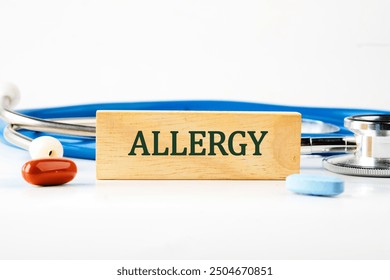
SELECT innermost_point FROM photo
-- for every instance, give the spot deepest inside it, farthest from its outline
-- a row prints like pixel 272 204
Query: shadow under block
pixel 197 145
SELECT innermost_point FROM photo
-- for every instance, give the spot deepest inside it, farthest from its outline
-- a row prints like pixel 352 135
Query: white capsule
pixel 46 146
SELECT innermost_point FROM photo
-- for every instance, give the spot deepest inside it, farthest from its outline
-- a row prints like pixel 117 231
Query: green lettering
pixel 142 145
pixel 213 143
pixel 174 145
pixel 231 142
pixel 257 142
pixel 155 145
pixel 194 142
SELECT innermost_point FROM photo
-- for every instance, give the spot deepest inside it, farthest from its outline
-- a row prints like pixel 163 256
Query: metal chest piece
pixel 372 155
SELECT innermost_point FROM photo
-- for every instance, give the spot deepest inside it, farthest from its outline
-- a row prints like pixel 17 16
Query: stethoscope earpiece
pixel 9 95
pixel 45 147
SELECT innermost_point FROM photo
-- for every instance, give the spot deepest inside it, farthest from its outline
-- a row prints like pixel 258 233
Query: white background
pixel 331 53
pixel 319 53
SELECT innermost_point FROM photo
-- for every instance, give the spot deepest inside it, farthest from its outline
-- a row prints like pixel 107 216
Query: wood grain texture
pixel 118 135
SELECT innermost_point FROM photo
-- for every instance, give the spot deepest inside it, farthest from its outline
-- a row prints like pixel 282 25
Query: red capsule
pixel 49 171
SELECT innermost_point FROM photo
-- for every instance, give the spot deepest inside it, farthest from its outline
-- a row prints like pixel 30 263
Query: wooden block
pixel 197 145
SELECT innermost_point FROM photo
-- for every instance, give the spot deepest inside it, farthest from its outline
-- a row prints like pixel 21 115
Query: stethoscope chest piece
pixel 372 155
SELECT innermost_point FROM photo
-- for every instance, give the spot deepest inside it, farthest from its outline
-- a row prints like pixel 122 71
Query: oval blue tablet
pixel 315 184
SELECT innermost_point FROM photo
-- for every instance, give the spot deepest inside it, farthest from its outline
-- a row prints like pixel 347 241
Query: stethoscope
pixel 355 141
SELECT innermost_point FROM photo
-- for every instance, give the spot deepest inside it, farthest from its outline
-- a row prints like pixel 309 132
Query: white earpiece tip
pixel 9 95
pixel 46 146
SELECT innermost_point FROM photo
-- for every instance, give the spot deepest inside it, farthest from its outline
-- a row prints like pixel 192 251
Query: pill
pixel 49 171
pixel 315 184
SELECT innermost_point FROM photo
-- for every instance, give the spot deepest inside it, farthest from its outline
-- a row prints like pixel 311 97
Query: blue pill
pixel 315 184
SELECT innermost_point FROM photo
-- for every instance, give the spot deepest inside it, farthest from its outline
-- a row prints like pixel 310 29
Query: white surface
pixel 91 219
pixel 333 53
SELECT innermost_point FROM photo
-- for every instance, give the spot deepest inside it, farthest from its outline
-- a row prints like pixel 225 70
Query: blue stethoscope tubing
pixel 84 147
